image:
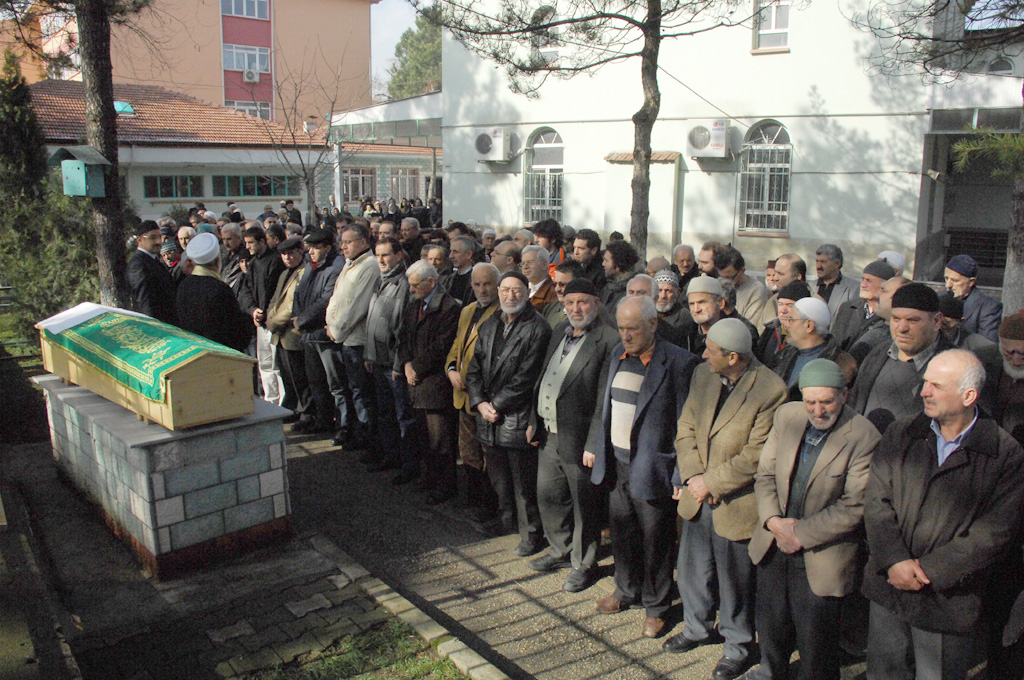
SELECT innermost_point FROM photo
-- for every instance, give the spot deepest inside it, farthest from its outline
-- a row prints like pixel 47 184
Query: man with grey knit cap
pixel 724 424
pixel 809 539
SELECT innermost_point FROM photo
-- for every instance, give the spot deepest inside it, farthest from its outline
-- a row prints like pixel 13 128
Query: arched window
pixel 544 40
pixel 1001 65
pixel 766 168
pixel 544 165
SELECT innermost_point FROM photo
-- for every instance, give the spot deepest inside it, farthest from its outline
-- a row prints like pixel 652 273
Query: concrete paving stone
pixel 338 612
pixel 353 571
pixel 366 604
pixel 264 658
pixel 310 589
pixel 345 594
pixel 331 634
pixel 374 586
pixel 466 660
pixel 222 635
pixel 426 627
pixel 486 672
pixel 297 627
pixel 450 647
pixel 268 637
pixel 225 670
pixel 397 605
pixel 272 617
pixel 305 644
pixel 368 620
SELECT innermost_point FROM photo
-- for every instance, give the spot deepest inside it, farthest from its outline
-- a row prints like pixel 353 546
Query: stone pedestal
pixel 179 498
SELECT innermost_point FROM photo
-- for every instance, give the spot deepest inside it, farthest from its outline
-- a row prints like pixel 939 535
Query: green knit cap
pixel 822 373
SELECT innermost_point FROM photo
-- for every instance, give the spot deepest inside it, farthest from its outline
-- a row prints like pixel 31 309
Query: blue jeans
pixel 337 380
pixel 395 418
pixel 360 385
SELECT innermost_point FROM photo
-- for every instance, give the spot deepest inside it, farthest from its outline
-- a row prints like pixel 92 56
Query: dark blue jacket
pixel 312 296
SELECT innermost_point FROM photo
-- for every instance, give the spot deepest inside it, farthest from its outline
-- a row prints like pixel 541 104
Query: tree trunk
pixel 1013 275
pixel 311 219
pixel 643 124
pixel 101 132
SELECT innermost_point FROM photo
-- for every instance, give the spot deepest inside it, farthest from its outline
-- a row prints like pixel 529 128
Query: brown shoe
pixel 652 627
pixel 609 605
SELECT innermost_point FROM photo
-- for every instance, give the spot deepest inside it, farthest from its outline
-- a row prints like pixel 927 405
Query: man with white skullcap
pixel 724 424
pixel 206 305
pixel 808 339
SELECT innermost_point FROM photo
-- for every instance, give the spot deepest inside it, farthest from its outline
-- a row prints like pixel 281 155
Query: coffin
pixel 162 373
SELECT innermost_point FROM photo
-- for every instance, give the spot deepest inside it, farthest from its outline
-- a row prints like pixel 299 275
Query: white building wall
pixel 857 139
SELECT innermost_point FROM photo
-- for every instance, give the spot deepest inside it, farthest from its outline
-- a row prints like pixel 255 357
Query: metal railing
pixel 21 355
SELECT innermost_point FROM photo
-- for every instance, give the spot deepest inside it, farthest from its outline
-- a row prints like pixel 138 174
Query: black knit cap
pixel 516 275
pixel 916 296
pixel 580 285
pixel 951 306
pixel 794 290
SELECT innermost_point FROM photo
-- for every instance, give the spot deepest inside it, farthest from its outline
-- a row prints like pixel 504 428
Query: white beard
pixel 1012 371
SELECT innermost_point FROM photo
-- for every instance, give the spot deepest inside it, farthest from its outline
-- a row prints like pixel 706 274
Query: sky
pixel 388 20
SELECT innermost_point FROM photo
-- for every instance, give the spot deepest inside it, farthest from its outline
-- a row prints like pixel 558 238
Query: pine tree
pixel 22 145
pixel 417 67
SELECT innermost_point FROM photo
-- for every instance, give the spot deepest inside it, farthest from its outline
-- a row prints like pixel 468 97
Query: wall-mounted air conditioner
pixel 250 75
pixel 491 145
pixel 708 139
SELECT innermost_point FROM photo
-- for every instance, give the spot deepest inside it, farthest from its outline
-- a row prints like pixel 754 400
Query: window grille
pixel 543 179
pixel 766 168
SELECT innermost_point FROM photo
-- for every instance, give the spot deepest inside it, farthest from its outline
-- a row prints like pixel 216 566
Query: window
pixel 544 41
pixel 1001 65
pixel 357 183
pixel 543 190
pixel 172 186
pixel 253 9
pixel 766 168
pixel 405 183
pixel 258 109
pixel 771 25
pixel 242 57
pixel 255 185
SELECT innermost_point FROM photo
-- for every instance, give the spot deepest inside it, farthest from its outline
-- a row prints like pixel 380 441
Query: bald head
pixel 656 264
pixel 884 307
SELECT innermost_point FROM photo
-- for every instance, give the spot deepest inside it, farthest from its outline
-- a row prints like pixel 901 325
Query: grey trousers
pixel 898 651
pixel 704 559
pixel 569 507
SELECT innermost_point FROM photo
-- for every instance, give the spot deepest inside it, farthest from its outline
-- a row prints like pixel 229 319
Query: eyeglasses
pixel 513 292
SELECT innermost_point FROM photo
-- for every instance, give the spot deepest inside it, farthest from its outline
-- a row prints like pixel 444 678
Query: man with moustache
pixel 554 312
pixel 684 264
pixel 832 286
pixel 671 310
pixel 568 423
pixel 284 336
pixel 150 283
pixel 789 267
pixel 857 323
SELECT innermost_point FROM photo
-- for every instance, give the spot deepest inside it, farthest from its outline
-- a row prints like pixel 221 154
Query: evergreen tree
pixel 417 67
pixel 22 145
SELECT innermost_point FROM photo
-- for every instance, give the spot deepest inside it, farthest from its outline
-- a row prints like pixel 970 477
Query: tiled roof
pixel 162 118
pixel 656 157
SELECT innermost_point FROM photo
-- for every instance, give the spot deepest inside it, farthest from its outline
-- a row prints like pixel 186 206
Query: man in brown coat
pixel 724 424
pixel 807 545
pixel 428 329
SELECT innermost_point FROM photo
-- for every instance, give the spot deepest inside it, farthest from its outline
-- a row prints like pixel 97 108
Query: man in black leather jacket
pixel 501 377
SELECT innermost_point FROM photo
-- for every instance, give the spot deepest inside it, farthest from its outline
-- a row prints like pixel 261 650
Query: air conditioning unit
pixel 708 139
pixel 491 144
pixel 250 75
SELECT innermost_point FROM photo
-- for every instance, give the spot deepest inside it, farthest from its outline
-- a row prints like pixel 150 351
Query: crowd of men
pixel 844 453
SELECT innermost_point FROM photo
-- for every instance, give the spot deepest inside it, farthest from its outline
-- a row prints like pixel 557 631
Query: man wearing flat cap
pixel 150 283
pixel 567 422
pixel 723 426
pixel 856 323
pixel 982 313
pixel 890 377
pixel 206 305
pixel 809 540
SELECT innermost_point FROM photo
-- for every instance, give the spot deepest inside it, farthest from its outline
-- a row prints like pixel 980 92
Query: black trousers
pixel 569 506
pixel 898 651
pixel 323 401
pixel 437 431
pixel 297 395
pixel 789 615
pixel 643 542
pixel 513 474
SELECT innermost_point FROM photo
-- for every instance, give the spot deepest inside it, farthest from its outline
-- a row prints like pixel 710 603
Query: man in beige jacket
pixel 724 424
pixel 807 545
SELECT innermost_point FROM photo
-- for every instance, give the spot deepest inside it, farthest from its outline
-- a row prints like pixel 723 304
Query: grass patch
pixel 391 651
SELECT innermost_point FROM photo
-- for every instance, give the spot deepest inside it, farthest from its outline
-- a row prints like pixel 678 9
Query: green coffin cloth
pixel 135 352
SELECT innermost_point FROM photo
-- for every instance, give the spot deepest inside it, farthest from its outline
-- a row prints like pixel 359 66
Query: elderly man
pixel 856 322
pixel 409 235
pixel 751 294
pixel 257 287
pixel 555 312
pixel 943 503
pixel 894 260
pixel 150 283
pixel 789 267
pixel 773 338
pixel 506 256
pixel 982 313
pixel 684 264
pixel 534 266
pixel 891 375
pixel 205 304
pixel 285 338
pixel 721 430
pixel 346 328
pixel 832 286
pixel 428 329
pixel 586 249
pixel 185 234
pixel 234 246
pixel 479 493
pixel 568 423
pixel 500 378
pixel 643 285
pixel 671 310
pixel 461 254
pixel 1009 401
pixel 808 339
pixel 523 238
pixel 395 418
pixel 648 382
pixel 655 265
pixel 707 301
pixel 808 543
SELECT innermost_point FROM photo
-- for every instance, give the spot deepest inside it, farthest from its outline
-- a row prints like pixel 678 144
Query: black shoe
pixel 525 548
pixel 293 418
pixel 341 438
pixel 729 669
pixel 577 581
pixel 437 497
pixel 548 562
pixel 680 644
pixel 404 477
pixel 382 465
pixel 304 425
